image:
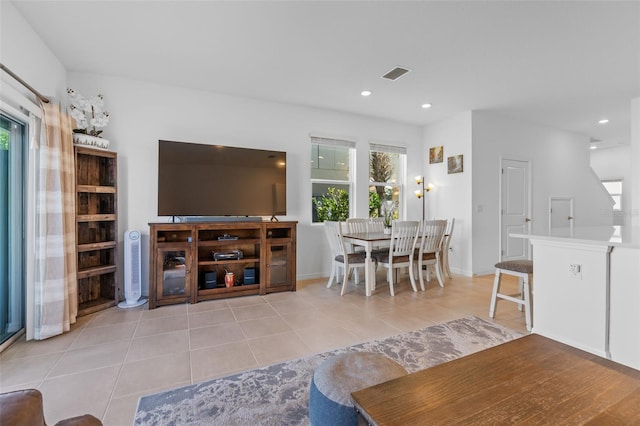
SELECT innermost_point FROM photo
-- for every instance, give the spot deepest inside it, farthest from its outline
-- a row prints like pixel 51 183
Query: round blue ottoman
pixel 336 378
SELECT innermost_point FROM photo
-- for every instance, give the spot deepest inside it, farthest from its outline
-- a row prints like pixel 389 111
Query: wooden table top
pixel 367 236
pixel 532 380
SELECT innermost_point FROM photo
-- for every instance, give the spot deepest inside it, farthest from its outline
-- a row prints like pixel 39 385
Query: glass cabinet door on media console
pixel 171 263
pixel 174 273
pixel 281 258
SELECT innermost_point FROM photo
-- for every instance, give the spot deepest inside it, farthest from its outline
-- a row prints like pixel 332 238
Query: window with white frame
pixel 13 172
pixel 386 177
pixel 331 178
pixel 614 188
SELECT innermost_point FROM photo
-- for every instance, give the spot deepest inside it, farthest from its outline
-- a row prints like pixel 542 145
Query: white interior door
pixel 515 209
pixel 561 216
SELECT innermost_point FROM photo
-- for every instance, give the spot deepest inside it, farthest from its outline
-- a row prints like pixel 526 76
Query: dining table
pixel 368 240
pixel 371 240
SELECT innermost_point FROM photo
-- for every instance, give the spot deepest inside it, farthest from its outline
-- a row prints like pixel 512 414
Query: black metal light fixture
pixel 420 193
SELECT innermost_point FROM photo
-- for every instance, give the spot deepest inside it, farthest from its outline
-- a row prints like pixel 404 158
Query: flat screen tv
pixel 213 180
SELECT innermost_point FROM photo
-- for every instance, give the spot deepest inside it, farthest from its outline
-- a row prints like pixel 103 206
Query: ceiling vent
pixel 395 73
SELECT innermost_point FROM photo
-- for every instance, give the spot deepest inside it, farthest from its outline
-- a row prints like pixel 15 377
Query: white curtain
pixel 55 287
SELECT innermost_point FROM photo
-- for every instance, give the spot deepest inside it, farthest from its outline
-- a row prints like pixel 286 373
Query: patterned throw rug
pixel 279 394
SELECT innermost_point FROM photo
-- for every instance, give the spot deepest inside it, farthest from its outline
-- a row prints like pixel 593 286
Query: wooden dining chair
pixel 341 257
pixel 376 224
pixel 428 248
pixel 400 253
pixel 444 254
pixel 357 225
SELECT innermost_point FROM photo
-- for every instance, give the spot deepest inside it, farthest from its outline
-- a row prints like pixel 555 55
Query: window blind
pixel 322 140
pixel 374 146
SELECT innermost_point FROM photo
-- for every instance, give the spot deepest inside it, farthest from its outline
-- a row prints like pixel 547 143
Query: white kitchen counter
pixel 586 290
pixel 614 236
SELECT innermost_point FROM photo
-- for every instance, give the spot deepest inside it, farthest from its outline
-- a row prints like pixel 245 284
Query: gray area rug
pixel 279 394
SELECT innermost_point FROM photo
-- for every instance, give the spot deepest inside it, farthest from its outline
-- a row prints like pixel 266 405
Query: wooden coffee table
pixel 531 380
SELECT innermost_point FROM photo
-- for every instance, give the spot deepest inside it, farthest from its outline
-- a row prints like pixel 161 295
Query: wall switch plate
pixel 575 271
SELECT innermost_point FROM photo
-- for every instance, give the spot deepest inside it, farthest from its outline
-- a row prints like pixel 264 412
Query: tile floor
pixel 113 357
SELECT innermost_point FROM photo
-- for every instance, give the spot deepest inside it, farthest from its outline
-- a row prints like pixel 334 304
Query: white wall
pixel 624 297
pixel 24 53
pixel 560 168
pixel 143 112
pixel 451 196
pixel 615 163
pixel 634 195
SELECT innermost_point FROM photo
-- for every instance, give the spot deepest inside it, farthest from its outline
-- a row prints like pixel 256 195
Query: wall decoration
pixel 435 154
pixel 454 164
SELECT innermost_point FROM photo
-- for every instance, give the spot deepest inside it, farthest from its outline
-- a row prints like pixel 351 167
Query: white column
pixel 572 308
pixel 635 158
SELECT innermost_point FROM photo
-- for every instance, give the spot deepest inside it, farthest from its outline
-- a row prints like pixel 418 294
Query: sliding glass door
pixel 12 230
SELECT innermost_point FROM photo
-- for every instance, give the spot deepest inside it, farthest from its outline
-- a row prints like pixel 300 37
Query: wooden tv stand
pixel 182 266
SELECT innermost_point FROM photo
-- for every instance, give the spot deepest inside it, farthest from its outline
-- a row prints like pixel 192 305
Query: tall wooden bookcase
pixel 96 229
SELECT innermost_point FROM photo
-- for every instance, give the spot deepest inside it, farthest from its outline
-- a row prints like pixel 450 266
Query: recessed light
pixel 366 93
pixel 427 105
pixel 603 121
pixel 593 147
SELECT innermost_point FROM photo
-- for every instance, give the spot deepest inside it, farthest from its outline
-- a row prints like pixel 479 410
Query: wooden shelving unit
pixel 184 269
pixel 96 229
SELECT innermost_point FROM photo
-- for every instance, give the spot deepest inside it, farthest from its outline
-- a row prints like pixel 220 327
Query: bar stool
pixel 523 269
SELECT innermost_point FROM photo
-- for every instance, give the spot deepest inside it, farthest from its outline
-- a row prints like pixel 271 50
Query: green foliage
pixel 380 170
pixel 334 205
pixel 380 166
pixel 4 140
pixel 374 204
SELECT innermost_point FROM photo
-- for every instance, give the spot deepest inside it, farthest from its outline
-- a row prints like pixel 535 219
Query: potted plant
pixel 90 117
pixel 388 209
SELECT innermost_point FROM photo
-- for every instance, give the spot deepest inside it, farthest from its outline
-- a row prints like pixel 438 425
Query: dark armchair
pixel 24 408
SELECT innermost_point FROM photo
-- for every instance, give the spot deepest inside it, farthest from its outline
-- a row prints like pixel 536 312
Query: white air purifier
pixel 132 271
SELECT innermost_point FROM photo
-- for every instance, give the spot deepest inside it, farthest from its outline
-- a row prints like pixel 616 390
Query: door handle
pixel 570 218
pixel 527 220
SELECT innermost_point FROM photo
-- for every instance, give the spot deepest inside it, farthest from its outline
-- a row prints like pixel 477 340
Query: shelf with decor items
pixel 96 229
pixel 224 259
pixel 239 246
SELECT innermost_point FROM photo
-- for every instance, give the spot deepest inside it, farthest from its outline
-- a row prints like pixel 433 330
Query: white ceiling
pixel 562 64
